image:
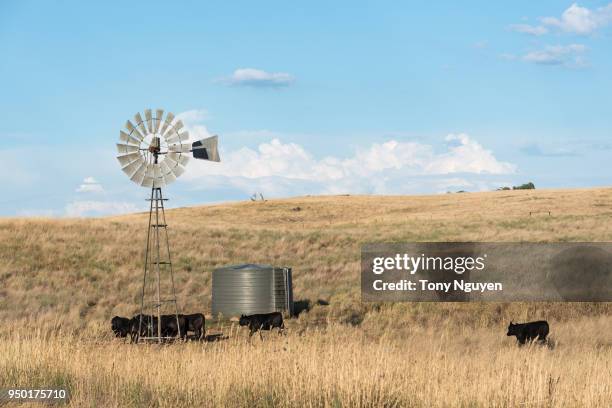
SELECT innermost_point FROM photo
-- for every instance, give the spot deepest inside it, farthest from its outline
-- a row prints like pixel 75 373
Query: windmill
pixel 153 152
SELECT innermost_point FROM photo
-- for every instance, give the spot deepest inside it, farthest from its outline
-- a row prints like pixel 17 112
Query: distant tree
pixel 504 188
pixel 526 186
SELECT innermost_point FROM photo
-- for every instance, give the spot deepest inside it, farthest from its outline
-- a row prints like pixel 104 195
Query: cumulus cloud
pixel 90 185
pixel 392 167
pixel 259 78
pixel 98 208
pixel 529 29
pixel 193 115
pixel 581 20
pixel 192 120
pixel 564 55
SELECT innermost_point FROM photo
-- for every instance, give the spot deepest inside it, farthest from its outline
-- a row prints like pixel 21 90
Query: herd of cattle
pixel 146 326
pixel 179 325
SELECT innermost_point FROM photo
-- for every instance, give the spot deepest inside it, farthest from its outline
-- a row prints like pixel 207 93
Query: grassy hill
pixel 62 280
pixel 75 271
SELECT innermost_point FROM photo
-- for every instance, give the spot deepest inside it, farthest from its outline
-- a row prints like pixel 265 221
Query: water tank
pixel 250 289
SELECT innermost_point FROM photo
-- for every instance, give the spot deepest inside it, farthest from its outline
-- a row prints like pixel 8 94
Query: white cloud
pixel 98 208
pixel 192 120
pixel 392 167
pixel 193 115
pixel 564 55
pixel 581 20
pixel 90 185
pixel 258 78
pixel 467 156
pixel 529 29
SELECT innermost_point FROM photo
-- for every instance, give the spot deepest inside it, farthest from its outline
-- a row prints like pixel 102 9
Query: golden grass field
pixel 62 280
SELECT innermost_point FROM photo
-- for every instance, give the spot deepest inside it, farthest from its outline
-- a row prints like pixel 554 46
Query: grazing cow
pixel 195 323
pixel 529 331
pixel 265 321
pixel 120 326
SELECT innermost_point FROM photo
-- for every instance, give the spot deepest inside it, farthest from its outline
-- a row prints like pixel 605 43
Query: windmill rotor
pixel 153 150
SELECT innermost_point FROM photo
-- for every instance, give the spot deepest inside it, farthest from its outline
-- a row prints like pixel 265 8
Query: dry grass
pixel 452 365
pixel 73 275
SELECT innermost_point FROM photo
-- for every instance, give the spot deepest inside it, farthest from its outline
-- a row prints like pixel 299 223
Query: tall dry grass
pixel 449 366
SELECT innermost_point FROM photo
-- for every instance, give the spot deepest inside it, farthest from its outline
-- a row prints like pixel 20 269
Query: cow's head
pixel 512 331
pixel 244 321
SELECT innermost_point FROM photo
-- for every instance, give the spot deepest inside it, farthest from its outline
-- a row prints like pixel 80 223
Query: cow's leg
pixel 542 336
pixel 260 335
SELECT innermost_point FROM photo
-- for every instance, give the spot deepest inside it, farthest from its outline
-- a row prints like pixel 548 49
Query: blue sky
pixel 310 98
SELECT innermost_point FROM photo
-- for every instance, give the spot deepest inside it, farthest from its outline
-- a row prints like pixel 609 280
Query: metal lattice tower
pixel 158 262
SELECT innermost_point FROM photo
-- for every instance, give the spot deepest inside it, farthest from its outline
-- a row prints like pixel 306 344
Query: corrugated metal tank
pixel 250 289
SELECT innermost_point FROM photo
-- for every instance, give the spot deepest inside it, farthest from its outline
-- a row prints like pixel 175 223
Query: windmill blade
pixel 140 123
pixel 171 159
pixel 124 148
pixel 128 158
pixel 178 170
pixel 206 149
pixel 157 170
pixel 133 167
pixel 147 182
pixel 169 177
pixel 178 125
pixel 124 137
pixel 183 160
pixel 179 137
pixel 133 131
pixel 142 168
pixel 170 134
pixel 150 172
pixel 165 169
pixel 159 114
pixel 149 120
pixel 138 177
pixel 167 122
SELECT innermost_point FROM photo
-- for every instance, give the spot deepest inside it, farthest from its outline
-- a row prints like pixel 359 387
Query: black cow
pixel 529 331
pixel 195 323
pixel 265 321
pixel 170 326
pixel 120 326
